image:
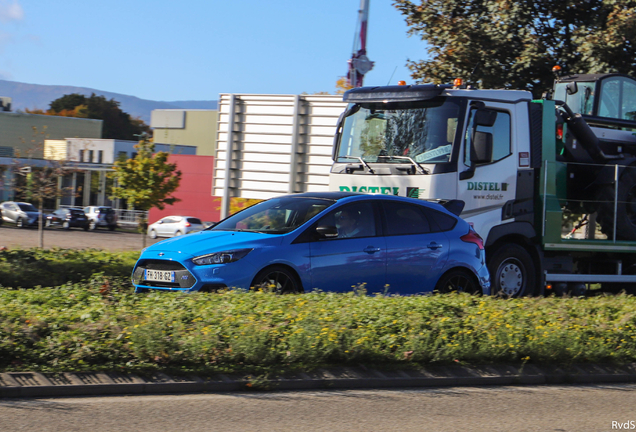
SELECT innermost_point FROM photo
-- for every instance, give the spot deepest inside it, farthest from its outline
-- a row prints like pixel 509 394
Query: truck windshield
pixel 393 132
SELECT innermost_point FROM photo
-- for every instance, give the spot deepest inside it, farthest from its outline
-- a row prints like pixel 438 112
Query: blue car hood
pixel 213 241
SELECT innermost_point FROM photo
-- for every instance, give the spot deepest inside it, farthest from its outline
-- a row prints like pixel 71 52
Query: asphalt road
pixel 75 238
pixel 491 409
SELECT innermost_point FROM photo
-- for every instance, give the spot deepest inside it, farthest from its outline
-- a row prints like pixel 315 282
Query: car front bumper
pixel 190 277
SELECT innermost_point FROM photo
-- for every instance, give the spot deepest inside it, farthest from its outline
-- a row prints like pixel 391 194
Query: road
pixel 491 409
pixel 75 238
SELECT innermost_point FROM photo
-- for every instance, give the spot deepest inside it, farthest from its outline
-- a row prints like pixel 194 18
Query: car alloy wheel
pixel 277 279
pixel 153 234
pixel 19 223
pixel 456 280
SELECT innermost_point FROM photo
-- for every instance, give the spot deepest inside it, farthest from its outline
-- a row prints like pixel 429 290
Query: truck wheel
pixel 512 272
pixel 625 210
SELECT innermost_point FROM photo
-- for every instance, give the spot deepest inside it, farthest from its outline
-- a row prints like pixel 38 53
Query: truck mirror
pixel 481 148
pixel 572 88
pixel 336 137
pixel 485 118
pixel 327 231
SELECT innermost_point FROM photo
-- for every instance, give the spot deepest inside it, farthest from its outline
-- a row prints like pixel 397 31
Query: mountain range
pixel 37 96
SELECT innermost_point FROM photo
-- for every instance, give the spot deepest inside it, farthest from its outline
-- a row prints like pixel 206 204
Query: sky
pixel 170 50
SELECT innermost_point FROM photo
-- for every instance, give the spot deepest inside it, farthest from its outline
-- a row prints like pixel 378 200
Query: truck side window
pixel 500 137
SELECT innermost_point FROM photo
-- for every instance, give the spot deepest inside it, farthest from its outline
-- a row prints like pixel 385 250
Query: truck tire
pixel 512 272
pixel 625 210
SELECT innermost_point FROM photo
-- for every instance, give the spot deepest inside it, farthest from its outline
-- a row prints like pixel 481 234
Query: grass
pixel 100 325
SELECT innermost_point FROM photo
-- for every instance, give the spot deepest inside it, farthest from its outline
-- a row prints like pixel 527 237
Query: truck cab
pixel 498 151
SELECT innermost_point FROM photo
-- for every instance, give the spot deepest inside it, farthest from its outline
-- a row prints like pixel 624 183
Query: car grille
pixel 183 278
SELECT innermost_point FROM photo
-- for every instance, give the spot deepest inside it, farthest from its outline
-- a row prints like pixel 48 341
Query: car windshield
pixel 27 207
pixel 395 132
pixel 275 216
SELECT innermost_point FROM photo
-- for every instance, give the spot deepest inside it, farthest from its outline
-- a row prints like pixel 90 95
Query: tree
pixel 40 184
pixel 515 44
pixel 117 124
pixel 146 181
pixel 342 85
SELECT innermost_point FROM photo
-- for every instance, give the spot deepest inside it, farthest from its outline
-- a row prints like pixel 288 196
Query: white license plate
pixel 159 275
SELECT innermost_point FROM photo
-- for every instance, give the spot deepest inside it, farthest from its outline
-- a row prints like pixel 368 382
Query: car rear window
pixel 106 210
pixel 403 218
pixel 77 212
pixel 194 221
pixel 443 221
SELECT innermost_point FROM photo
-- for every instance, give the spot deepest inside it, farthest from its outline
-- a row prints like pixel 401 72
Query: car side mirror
pixel 327 231
pixel 481 148
pixel 159 221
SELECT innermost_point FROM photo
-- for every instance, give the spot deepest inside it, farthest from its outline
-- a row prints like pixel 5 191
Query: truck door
pixel 486 183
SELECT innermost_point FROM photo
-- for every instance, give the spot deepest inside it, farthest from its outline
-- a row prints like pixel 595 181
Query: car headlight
pixel 221 257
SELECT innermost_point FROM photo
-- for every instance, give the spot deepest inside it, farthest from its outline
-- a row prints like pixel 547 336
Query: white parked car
pixel 172 226
pixel 101 216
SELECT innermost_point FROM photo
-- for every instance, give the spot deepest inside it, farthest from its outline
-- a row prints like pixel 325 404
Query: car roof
pixel 325 195
pixel 449 206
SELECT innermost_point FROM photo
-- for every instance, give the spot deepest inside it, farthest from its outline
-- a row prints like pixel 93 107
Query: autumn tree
pixel 515 44
pixel 39 184
pixel 146 181
pixel 117 124
pixel 342 85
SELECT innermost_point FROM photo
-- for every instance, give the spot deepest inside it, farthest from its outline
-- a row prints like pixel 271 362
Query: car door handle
pixel 371 249
pixel 433 245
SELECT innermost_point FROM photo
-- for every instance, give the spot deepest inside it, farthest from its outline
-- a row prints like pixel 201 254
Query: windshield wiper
pixel 415 164
pixel 361 160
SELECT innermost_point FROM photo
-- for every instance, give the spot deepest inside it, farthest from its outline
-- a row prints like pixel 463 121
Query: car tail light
pixel 188 224
pixel 473 237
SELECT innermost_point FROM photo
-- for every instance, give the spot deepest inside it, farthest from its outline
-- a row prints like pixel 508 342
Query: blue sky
pixel 194 50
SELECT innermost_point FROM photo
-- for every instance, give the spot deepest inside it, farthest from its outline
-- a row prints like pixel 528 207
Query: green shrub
pixel 101 325
pixel 28 268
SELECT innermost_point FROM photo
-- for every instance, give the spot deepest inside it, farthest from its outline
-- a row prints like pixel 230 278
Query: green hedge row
pixel 102 325
pixel 28 268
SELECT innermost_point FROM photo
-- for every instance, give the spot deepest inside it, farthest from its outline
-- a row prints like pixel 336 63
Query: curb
pixel 35 384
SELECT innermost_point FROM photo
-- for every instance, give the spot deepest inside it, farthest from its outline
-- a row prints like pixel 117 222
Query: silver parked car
pixel 101 216
pixel 172 226
pixel 20 213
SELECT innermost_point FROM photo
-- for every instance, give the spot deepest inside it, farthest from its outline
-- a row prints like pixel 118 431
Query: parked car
pixel 331 241
pixel 21 214
pixel 101 216
pixel 68 218
pixel 172 226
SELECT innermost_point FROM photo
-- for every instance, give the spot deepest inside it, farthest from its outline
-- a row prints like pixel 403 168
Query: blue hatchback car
pixel 330 241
